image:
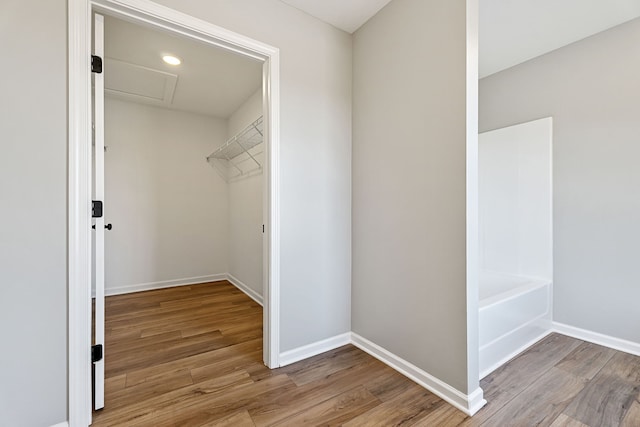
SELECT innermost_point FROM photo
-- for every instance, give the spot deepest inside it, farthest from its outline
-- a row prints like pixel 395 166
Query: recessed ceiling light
pixel 171 60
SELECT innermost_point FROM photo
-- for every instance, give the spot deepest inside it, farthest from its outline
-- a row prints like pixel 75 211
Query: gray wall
pixel 169 208
pixel 409 153
pixel 33 179
pixel 591 89
pixel 246 206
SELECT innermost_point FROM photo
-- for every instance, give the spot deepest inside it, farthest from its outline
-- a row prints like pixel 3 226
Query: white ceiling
pixel 215 82
pixel 348 15
pixel 210 80
pixel 511 31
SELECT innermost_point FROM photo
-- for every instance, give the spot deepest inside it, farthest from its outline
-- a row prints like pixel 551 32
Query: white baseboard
pixel 313 349
pixel 120 290
pixel 597 338
pixel 469 404
pixel 475 402
pixel 244 288
pixel 62 424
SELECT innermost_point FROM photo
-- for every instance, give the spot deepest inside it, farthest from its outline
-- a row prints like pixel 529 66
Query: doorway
pixel 178 158
pixel 80 171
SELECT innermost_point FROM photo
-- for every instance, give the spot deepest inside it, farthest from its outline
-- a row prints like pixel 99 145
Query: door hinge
pixel 96 353
pixel 96 209
pixel 96 64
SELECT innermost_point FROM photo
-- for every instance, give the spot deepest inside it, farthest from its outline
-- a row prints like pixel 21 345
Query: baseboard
pixel 246 289
pixel 313 349
pixel 120 290
pixel 597 338
pixel 62 424
pixel 469 404
pixel 475 402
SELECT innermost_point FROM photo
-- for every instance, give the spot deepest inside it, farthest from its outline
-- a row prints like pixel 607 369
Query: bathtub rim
pixel 532 284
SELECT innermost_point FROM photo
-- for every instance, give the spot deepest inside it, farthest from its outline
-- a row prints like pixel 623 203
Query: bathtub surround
pixel 515 189
pixel 512 319
pixel 516 250
pixel 591 90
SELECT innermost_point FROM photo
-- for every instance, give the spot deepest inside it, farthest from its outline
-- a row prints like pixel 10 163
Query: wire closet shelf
pixel 236 158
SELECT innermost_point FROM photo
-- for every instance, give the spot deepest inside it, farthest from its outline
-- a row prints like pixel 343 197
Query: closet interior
pixel 176 219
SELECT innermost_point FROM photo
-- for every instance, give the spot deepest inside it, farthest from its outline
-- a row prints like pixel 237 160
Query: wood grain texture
pixel 514 377
pixel 442 416
pixel 565 421
pixel 387 384
pixel 603 402
pixel 586 360
pixel 632 419
pixel 406 409
pixel 542 403
pixel 607 399
pixel 334 411
pixel 624 366
pixel 239 419
pixel 192 356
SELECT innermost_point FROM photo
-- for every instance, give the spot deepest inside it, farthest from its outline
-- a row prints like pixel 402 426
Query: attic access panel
pixel 136 83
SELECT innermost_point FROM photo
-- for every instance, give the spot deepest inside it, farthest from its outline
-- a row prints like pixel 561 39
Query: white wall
pixel 315 162
pixel 591 90
pixel 168 206
pixel 33 211
pixel 409 191
pixel 245 206
pixel 246 114
pixel 515 192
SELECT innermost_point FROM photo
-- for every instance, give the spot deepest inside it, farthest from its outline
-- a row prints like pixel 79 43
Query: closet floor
pixel 192 356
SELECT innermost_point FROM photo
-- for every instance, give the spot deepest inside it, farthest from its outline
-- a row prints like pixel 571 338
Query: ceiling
pixel 210 81
pixel 215 82
pixel 347 15
pixel 511 31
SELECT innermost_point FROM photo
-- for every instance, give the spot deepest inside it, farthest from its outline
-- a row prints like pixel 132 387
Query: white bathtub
pixel 515 312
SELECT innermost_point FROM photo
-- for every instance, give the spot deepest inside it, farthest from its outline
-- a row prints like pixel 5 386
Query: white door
pixel 98 234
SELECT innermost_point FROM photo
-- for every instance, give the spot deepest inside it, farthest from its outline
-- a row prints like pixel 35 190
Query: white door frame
pixel 79 191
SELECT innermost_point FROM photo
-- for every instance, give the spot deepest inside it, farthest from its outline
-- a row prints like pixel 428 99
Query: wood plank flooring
pixel 192 356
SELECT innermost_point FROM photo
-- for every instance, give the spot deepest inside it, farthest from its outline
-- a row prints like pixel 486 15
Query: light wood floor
pixel 192 356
